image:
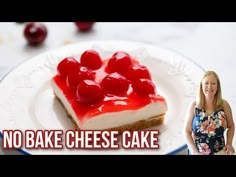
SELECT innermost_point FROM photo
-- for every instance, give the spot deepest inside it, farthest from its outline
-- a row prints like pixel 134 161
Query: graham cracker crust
pixel 138 125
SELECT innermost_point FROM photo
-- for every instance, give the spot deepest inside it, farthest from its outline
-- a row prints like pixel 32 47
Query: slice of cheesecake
pixel 115 93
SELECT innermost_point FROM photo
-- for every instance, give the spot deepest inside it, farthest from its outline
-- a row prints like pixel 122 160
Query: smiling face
pixel 209 85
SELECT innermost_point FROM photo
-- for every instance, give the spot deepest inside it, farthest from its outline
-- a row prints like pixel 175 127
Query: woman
pixel 207 119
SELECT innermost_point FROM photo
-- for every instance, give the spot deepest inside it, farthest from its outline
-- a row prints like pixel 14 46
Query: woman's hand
pixel 229 149
pixel 200 153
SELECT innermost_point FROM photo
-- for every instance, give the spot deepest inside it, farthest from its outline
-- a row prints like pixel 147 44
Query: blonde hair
pixel 218 100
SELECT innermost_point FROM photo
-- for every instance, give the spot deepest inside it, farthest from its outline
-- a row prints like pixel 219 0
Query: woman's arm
pixel 188 129
pixel 230 126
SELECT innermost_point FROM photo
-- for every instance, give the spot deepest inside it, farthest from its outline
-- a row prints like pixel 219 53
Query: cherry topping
pixel 115 83
pixel 119 62
pixel 76 76
pixel 137 72
pixel 144 87
pixel 35 33
pixel 67 65
pixel 91 59
pixel 84 26
pixel 89 92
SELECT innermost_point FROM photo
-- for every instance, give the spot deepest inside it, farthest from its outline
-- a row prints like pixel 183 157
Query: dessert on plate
pixel 114 93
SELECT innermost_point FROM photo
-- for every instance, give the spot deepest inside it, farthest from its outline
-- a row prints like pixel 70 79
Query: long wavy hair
pixel 218 100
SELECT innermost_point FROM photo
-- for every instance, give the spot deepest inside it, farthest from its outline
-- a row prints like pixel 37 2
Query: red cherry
pixel 35 33
pixel 84 26
pixel 76 76
pixel 119 62
pixel 67 65
pixel 137 72
pixel 91 59
pixel 89 92
pixel 144 87
pixel 115 84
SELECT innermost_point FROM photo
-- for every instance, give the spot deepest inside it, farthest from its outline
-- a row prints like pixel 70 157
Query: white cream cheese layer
pixel 113 119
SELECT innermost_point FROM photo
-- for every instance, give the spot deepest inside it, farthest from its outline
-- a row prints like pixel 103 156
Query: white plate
pixel 27 100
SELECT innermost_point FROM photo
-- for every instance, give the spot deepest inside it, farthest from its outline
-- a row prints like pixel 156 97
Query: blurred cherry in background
pixel 84 26
pixel 35 33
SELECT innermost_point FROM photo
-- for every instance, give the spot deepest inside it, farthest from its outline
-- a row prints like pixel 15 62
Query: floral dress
pixel 208 131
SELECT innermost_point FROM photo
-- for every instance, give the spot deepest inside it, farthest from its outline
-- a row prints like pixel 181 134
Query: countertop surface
pixel 211 45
